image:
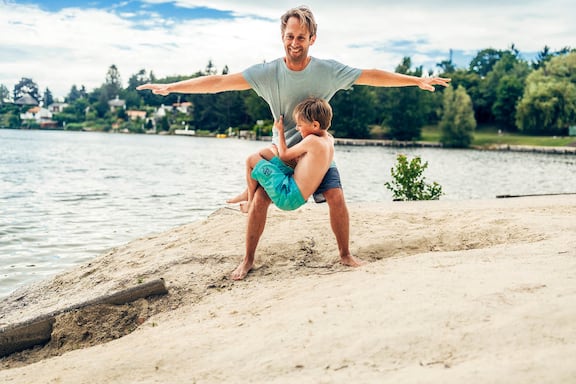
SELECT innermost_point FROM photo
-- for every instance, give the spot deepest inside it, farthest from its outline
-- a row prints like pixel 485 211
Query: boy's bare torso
pixel 314 163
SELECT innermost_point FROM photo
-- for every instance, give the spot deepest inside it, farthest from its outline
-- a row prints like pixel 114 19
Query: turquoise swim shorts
pixel 278 181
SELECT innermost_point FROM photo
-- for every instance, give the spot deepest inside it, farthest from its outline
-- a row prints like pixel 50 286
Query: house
pixel 39 115
pixel 135 115
pixel 184 107
pixel 116 103
pixel 57 107
pixel 26 99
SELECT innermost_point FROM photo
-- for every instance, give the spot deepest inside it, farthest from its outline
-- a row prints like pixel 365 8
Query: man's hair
pixel 302 13
pixel 315 109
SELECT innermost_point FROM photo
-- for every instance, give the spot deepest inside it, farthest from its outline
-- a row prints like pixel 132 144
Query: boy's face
pixel 306 127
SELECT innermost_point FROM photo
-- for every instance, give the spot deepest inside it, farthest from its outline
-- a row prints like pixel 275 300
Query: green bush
pixel 409 184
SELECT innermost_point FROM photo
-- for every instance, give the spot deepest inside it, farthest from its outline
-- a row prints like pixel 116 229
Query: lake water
pixel 66 197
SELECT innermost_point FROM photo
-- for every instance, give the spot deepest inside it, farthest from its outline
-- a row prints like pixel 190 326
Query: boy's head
pixel 314 109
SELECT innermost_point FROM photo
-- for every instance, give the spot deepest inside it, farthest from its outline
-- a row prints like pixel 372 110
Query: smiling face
pixel 306 127
pixel 297 41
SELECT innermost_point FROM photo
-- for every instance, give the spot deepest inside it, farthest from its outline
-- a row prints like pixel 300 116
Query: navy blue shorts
pixel 331 180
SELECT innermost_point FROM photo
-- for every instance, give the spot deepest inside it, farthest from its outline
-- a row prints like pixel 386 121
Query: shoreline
pixel 555 150
pixel 564 150
pixel 454 291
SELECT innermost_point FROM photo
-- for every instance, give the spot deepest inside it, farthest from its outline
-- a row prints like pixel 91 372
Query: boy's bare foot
pixel 237 199
pixel 241 271
pixel 244 206
pixel 351 261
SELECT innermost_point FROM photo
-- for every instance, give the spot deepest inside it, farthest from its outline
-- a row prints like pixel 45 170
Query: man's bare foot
pixel 237 199
pixel 241 271
pixel 351 261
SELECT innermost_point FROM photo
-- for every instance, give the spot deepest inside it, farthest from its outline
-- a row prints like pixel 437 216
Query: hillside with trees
pixel 499 89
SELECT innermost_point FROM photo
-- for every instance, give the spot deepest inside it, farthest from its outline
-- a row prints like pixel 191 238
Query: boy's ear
pixel 316 124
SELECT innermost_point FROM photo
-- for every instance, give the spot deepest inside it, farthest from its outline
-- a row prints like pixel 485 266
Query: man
pixel 283 83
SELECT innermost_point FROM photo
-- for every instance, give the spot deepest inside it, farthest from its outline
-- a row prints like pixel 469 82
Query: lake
pixel 66 197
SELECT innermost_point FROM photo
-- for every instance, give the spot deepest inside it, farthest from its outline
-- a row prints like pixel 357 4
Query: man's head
pixel 305 18
pixel 314 112
pixel 298 34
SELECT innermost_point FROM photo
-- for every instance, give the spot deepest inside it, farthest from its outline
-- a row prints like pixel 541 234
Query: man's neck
pixel 297 65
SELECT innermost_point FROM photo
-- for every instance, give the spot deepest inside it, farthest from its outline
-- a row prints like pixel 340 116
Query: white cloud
pixel 77 46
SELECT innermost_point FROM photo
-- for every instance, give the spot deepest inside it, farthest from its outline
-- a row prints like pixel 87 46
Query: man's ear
pixel 312 40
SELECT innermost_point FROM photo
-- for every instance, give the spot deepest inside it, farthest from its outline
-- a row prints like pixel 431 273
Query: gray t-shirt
pixel 283 89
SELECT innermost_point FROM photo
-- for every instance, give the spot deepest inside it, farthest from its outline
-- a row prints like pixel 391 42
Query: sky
pixel 61 43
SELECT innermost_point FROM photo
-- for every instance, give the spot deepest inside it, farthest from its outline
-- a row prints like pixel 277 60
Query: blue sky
pixel 60 43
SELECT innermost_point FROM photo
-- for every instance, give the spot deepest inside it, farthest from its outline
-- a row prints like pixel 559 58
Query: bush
pixel 409 184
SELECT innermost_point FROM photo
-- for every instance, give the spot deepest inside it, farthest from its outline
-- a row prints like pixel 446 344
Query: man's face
pixel 296 40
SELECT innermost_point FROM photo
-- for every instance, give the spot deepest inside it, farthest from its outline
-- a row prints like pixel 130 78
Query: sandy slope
pixel 453 292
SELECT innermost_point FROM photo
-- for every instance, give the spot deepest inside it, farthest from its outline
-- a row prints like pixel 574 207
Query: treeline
pixel 499 88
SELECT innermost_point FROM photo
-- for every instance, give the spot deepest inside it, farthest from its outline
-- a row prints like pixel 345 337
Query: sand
pixel 480 291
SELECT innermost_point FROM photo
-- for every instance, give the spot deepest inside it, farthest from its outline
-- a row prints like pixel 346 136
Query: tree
pixel 4 93
pixel 447 66
pixel 27 86
pixel 48 98
pixel 458 123
pixel 548 105
pixel 113 82
pixel 405 109
pixel 506 84
pixel 484 61
pixel 353 112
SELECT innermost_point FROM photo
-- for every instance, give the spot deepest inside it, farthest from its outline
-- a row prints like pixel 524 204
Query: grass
pixel 488 135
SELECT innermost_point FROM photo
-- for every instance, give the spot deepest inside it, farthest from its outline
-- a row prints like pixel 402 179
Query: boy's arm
pixel 285 153
pixel 202 84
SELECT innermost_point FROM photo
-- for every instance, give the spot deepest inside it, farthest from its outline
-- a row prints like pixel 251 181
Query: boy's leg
pixel 266 153
pixel 252 184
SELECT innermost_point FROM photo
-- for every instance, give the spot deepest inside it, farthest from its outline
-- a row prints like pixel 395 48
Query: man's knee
pixel 334 196
pixel 261 199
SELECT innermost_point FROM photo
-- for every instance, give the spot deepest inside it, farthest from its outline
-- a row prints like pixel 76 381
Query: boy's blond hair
pixel 315 109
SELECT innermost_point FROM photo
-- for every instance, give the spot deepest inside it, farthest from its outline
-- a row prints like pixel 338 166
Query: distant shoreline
pixel 555 150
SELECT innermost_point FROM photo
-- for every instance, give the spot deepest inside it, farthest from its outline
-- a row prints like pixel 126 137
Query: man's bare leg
pixel 340 222
pixel 254 228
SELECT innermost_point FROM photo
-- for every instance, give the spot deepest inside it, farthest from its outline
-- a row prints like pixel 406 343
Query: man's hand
pixel 428 83
pixel 157 89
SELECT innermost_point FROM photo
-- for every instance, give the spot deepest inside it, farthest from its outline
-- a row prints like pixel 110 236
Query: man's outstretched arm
pixel 202 84
pixel 380 78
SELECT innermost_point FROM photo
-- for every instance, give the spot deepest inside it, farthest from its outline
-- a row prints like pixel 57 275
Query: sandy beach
pixel 479 291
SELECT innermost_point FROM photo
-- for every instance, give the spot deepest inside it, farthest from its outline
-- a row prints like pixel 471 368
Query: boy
pixel 289 188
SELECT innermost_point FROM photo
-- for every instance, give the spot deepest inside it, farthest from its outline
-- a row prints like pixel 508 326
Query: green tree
pixel 353 112
pixel 408 183
pixel 548 105
pixel 27 86
pixel 458 123
pixel 48 98
pixel 506 84
pixel 484 61
pixel 405 109
pixel 4 94
pixel 113 83
pixel 256 107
